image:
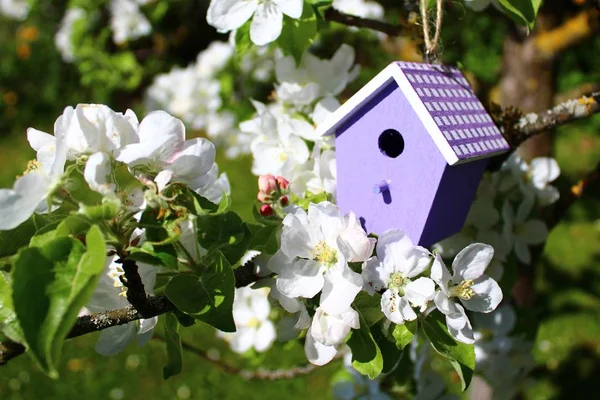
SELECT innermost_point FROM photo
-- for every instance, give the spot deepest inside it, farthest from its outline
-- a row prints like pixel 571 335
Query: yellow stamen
pixel 463 290
pixel 324 254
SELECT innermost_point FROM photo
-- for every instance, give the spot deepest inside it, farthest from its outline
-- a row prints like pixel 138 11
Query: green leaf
pixel 461 355
pixel 298 34
pixel 242 40
pixel 369 307
pixel 366 355
pixel 264 238
pixel 173 344
pixel 226 233
pixel 50 286
pixel 208 297
pixel 403 334
pixel 521 11
pixel 11 241
pixel 158 248
pixel 391 354
pixel 9 325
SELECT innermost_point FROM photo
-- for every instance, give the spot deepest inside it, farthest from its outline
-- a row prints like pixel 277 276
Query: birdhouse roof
pixel 443 100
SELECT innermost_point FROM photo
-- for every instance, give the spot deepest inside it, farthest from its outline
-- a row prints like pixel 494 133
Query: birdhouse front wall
pixel 412 188
pixel 413 177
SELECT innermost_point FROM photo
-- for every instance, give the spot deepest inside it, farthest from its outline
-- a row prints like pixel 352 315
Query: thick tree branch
pixel 350 20
pixel 260 373
pixel 156 305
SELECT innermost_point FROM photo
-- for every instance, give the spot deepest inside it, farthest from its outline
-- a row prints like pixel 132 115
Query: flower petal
pixel 375 277
pixel 459 326
pixel 471 262
pixel 267 24
pixel 440 273
pixel 115 339
pixel 487 295
pixel 265 336
pixel 304 278
pixel 544 171
pixel 17 204
pixel 395 238
pixel 419 292
pixel 291 8
pixel 318 353
pixel 396 308
pixel 339 290
pixel 227 15
pixel 97 169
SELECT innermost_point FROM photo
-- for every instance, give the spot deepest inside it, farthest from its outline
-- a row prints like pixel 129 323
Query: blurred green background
pixel 35 85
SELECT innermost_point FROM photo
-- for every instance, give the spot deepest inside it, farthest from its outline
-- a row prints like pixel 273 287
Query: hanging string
pixel 431 45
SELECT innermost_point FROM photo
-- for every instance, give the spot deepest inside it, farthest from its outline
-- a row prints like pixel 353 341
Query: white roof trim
pixel 371 89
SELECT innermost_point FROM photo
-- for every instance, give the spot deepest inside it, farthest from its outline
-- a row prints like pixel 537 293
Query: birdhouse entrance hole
pixel 391 143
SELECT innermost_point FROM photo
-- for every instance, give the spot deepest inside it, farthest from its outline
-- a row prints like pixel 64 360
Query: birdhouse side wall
pixel 413 176
pixel 453 200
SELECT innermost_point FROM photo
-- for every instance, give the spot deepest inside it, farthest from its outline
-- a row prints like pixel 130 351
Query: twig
pixel 157 305
pixel 350 20
pixel 260 373
pixel 582 107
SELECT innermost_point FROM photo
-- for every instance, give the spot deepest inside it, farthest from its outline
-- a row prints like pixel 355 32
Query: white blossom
pixel 315 249
pixel 127 21
pixel 164 153
pixel 227 15
pixel 314 78
pixel 360 8
pixel 327 332
pixel 41 179
pixel 213 59
pixel 16 9
pixel 475 290
pixel 396 269
pixel 251 310
pixel 62 39
pixel 520 232
pixel 96 172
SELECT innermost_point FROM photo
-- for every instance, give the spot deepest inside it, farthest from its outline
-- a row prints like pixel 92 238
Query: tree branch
pixel 156 305
pixel 331 14
pixel 260 373
pixel 136 293
pixel 517 128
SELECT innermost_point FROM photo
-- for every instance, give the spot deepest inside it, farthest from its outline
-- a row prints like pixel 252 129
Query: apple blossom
pixel 164 153
pixel 397 263
pixel 227 15
pixel 327 332
pixel 33 191
pixel 17 9
pixel 62 39
pixel 127 21
pixel 520 232
pixel 251 310
pixel 315 249
pixel 475 290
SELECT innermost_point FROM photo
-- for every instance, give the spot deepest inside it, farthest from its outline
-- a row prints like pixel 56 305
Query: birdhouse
pixel 411 149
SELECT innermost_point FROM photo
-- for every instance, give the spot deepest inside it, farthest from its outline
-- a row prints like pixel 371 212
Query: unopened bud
pixel 267 183
pixel 282 182
pixel 264 197
pixel 266 210
pixel 284 201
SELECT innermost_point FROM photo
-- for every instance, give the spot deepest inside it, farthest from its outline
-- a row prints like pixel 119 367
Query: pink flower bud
pixel 266 210
pixel 267 183
pixel 264 197
pixel 282 182
pixel 284 201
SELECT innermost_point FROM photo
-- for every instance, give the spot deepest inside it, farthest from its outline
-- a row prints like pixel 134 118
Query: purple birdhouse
pixel 411 148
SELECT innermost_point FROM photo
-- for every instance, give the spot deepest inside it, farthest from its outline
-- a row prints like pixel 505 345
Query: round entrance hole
pixel 391 143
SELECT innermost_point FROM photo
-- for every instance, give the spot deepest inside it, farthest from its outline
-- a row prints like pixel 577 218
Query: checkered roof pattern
pixel 458 113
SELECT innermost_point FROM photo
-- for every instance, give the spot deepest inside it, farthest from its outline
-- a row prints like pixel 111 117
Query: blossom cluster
pixel 196 94
pixel 520 186
pixel 127 23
